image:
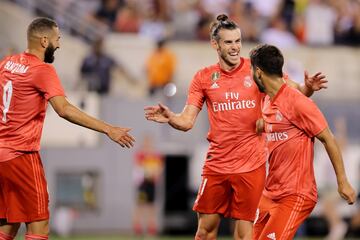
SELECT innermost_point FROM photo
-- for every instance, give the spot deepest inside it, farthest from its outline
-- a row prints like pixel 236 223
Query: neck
pixel 39 54
pixel 228 68
pixel 272 85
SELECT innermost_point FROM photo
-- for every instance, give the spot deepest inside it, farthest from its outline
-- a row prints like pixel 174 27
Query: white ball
pixel 170 89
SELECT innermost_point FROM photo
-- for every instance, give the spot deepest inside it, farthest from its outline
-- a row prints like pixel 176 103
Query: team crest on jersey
pixel 278 116
pixel 215 76
pixel 248 82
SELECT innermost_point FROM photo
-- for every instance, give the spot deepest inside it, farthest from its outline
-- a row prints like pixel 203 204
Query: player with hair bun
pixel 233 175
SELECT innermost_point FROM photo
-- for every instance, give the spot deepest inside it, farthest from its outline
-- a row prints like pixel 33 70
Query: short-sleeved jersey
pixel 233 102
pixel 291 122
pixel 26 85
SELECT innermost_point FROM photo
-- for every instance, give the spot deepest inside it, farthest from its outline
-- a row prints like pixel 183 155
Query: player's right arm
pixel 183 121
pixel 345 189
pixel 71 113
pixel 46 81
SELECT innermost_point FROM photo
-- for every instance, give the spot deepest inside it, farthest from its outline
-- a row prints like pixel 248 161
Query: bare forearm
pixel 334 153
pixel 345 189
pixel 179 122
pixel 305 90
pixel 76 116
pixel 302 88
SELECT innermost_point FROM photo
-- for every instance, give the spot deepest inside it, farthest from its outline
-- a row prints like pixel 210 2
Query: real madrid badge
pixel 215 76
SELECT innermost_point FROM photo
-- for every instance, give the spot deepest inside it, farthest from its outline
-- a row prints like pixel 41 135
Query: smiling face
pixel 228 47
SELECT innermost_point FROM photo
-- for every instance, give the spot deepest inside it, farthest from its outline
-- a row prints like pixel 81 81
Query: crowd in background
pixel 290 22
pixel 283 23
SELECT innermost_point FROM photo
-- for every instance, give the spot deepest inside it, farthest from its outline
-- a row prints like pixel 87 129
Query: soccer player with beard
pixel 234 170
pixel 291 123
pixel 27 83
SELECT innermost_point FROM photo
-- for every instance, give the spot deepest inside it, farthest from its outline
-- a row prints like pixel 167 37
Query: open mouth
pixel 234 54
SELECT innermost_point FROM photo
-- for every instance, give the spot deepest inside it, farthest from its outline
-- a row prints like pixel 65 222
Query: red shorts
pixel 280 219
pixel 23 189
pixel 232 195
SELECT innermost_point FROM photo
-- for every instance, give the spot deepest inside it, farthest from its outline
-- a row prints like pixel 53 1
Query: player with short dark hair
pixel 234 172
pixel 291 124
pixel 27 83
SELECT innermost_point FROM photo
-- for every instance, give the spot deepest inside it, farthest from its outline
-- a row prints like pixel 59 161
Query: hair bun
pixel 222 17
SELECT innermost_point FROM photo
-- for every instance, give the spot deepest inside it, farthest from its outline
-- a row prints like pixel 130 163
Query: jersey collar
pixel 279 92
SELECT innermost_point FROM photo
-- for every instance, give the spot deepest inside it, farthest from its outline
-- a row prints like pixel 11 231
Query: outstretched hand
pixel 315 82
pixel 159 113
pixel 121 136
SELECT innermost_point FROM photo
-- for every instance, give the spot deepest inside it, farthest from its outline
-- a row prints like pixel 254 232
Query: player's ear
pixel 258 72
pixel 214 44
pixel 44 41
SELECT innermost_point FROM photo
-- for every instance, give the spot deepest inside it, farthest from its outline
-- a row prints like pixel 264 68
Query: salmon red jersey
pixel 233 102
pixel 291 123
pixel 26 85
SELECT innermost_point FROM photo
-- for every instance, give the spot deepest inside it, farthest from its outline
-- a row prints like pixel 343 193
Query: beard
pixel 223 56
pixel 49 54
pixel 259 84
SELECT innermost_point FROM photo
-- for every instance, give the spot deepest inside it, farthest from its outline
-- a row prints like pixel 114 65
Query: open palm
pixel 315 82
pixel 159 113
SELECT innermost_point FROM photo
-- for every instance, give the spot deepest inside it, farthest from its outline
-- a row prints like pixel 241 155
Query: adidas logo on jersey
pixel 271 236
pixel 214 85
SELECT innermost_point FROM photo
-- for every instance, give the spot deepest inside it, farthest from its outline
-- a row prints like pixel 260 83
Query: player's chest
pixel 230 88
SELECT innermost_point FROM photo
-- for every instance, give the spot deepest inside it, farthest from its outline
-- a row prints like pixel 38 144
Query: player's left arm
pixel 345 189
pixel 311 83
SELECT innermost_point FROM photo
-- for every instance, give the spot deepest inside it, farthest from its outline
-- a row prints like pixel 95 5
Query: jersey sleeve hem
pixel 320 130
pixel 194 104
pixel 55 95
